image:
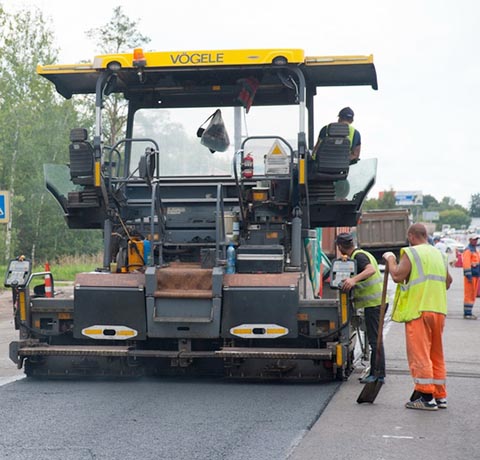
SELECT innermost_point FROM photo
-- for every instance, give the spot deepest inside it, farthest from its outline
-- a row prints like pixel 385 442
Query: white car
pixel 453 244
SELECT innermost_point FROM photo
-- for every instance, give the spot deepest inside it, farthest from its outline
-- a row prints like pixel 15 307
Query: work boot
pixel 441 403
pixel 372 379
pixel 422 404
pixel 470 316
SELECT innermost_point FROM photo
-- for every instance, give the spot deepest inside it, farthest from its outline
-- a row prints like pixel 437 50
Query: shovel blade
pixel 369 392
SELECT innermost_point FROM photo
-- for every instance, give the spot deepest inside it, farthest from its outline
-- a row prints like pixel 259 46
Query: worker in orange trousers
pixel 471 276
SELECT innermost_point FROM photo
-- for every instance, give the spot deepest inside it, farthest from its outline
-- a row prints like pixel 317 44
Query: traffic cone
pixel 48 282
pixel 459 261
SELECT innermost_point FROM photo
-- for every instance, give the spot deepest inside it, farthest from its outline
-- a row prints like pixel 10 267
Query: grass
pixel 65 268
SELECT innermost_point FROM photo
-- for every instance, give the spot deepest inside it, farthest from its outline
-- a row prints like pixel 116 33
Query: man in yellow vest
pixel 367 294
pixel 421 303
pixel 345 116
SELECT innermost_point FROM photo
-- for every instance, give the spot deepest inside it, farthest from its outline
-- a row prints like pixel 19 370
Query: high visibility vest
pixel 351 132
pixel 471 261
pixel 426 288
pixel 368 293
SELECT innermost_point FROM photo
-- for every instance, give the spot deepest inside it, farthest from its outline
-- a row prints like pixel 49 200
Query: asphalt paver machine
pixel 174 193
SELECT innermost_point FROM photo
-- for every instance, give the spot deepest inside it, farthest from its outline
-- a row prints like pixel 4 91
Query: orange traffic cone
pixel 48 282
pixel 459 261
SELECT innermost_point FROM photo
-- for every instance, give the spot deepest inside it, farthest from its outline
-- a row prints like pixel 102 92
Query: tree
pixel 475 205
pixel 34 126
pixel 385 201
pixel 25 43
pixel 430 203
pixel 119 35
pixel 456 218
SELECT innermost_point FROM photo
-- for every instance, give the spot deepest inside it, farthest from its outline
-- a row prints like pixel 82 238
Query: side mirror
pixel 146 166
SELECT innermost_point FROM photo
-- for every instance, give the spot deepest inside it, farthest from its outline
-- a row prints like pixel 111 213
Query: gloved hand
pixel 469 278
pixel 388 254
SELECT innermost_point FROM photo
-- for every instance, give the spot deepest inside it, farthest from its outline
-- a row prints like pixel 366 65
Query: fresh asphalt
pixel 150 419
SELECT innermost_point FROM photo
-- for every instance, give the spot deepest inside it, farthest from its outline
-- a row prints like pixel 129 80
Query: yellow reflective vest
pixel 351 132
pixel 368 293
pixel 426 288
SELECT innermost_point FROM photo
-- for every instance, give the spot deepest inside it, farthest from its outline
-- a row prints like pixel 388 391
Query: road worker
pixel 367 294
pixel 345 116
pixel 471 274
pixel 421 303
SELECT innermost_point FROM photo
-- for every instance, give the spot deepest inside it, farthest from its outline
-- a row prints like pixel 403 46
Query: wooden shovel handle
pixel 383 307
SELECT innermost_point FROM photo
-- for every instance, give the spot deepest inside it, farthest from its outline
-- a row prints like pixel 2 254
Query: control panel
pixel 18 272
pixel 341 270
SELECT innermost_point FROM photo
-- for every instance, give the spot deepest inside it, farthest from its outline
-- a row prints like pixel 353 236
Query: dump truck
pixel 174 194
pixel 383 230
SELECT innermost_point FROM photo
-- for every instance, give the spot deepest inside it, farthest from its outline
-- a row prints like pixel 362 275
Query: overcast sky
pixel 421 124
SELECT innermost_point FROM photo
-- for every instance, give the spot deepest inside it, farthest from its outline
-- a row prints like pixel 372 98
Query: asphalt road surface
pixel 156 419
pixel 149 419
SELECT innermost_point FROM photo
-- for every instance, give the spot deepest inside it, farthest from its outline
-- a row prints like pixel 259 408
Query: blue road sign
pixel 4 207
pixel 408 198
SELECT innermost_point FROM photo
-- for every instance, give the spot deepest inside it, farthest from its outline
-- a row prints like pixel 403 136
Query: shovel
pixel 371 390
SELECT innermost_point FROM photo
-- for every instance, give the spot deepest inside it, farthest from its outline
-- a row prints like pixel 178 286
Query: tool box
pixel 260 259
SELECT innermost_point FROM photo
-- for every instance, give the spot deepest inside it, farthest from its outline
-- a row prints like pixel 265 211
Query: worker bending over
pixel 368 295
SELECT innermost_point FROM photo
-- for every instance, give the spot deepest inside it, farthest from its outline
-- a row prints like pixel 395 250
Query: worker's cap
pixel 346 113
pixel 344 239
pixel 473 237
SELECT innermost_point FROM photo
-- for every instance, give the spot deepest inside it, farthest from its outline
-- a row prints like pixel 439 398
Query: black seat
pixel 332 158
pixel 81 157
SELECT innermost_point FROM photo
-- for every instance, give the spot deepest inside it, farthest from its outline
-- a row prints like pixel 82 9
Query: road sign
pixel 408 198
pixel 4 207
pixel 431 216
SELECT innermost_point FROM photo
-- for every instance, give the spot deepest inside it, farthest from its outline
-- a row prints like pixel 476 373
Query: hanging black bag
pixel 215 135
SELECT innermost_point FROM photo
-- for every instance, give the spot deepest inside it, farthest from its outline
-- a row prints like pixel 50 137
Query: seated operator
pixel 345 116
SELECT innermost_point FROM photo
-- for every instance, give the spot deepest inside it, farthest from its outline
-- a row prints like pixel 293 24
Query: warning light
pixel 139 59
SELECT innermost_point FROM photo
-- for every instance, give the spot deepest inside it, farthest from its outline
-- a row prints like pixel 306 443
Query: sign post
pixel 4 207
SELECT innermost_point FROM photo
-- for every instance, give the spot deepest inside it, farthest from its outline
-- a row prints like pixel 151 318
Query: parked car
pixel 454 244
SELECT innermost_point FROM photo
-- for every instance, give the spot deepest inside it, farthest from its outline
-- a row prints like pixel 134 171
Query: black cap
pixel 346 113
pixel 345 239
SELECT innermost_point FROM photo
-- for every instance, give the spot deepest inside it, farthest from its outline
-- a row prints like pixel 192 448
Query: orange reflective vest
pixel 471 262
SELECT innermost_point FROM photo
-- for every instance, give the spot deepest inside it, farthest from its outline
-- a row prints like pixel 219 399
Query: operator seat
pixel 81 157
pixel 332 158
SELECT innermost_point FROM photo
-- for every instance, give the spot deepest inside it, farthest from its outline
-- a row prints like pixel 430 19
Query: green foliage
pixel 475 205
pixel 34 128
pixel 119 35
pixel 456 218
pixel 386 201
pixel 450 212
pixel 429 202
